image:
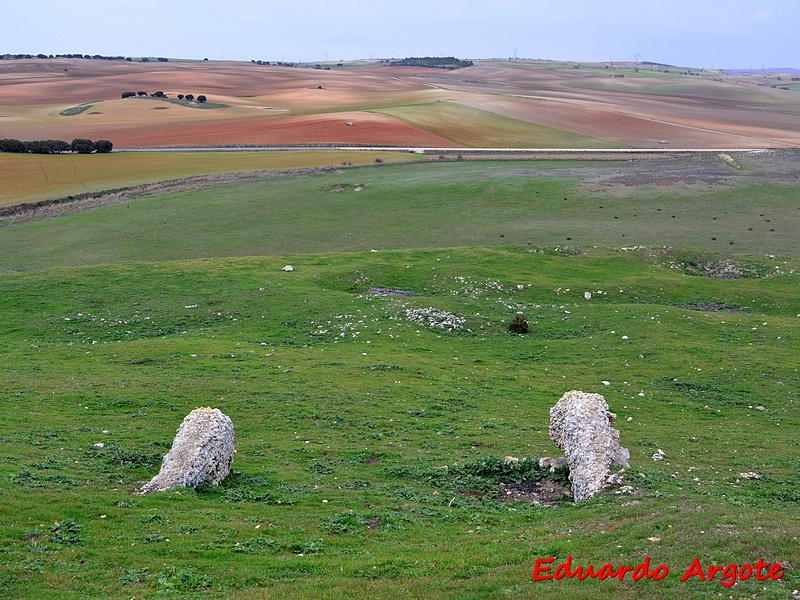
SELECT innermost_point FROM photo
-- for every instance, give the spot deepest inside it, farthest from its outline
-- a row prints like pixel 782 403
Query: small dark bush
pixel 519 324
pixel 128 94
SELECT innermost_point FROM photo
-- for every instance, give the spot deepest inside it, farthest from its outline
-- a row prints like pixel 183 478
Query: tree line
pixel 78 146
pixel 188 97
pixel 433 62
pixel 91 56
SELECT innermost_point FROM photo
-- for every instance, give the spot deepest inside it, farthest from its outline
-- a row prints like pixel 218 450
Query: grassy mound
pixel 370 439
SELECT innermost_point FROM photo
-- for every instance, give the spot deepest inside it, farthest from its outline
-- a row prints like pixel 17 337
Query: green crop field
pixel 474 127
pixel 376 389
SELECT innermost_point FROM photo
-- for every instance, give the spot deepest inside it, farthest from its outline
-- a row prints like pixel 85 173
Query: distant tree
pixel 57 146
pixel 11 145
pixel 202 98
pixel 180 96
pixel 103 146
pixel 160 59
pixel 38 147
pixel 159 95
pixel 189 97
pixel 82 146
pixel 145 59
pixel 141 93
pixel 128 94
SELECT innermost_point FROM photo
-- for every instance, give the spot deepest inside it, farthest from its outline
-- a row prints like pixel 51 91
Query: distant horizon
pixel 712 34
pixel 138 57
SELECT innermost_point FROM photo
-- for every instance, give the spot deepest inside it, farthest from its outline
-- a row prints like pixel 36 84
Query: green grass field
pixel 370 436
pixel 438 205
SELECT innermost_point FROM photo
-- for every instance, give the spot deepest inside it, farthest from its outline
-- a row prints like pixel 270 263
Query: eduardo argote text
pixel 725 575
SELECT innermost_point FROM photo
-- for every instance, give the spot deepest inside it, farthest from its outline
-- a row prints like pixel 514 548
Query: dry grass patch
pixel 30 177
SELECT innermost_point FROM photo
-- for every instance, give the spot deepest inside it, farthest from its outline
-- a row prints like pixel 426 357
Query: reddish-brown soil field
pixel 274 105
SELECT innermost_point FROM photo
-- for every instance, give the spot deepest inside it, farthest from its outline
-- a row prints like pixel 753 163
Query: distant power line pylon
pixel 515 53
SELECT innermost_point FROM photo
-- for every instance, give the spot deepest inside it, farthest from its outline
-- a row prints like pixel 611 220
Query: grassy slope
pixel 120 354
pixel 411 206
pixel 131 348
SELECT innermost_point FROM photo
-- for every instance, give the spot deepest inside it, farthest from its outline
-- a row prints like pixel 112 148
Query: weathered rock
pixel 547 462
pixel 202 452
pixel 580 424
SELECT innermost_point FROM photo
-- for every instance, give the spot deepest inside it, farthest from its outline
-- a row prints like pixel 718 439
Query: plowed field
pixel 520 104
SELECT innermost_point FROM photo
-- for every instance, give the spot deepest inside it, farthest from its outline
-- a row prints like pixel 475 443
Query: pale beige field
pixel 591 106
pixel 34 177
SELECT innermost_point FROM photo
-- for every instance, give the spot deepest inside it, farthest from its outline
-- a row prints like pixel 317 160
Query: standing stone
pixel 202 452
pixel 580 424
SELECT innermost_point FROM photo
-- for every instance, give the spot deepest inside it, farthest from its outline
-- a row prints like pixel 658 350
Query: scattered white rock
pixel 658 456
pixel 553 463
pixel 604 382
pixel 99 445
pixel 288 268
pixel 629 419
pixel 587 295
pixel 750 475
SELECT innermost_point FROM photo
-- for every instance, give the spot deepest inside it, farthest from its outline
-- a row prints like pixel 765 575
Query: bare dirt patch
pixel 542 492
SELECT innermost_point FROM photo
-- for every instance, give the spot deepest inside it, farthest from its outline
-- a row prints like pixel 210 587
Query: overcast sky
pixel 698 33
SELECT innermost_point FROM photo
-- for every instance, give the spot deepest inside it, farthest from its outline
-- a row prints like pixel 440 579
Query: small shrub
pixel 519 324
